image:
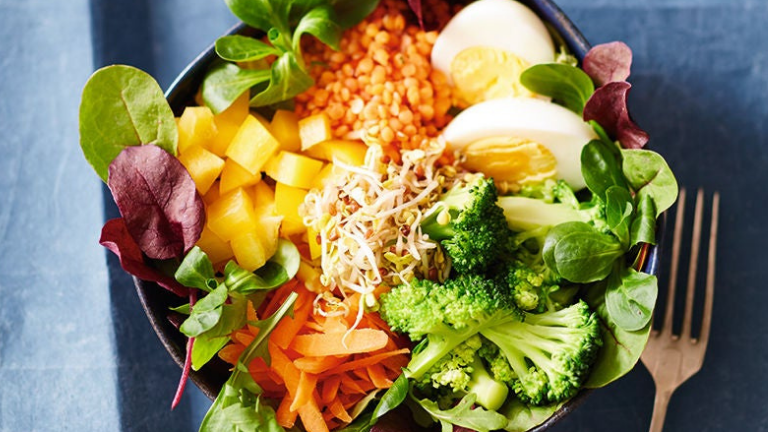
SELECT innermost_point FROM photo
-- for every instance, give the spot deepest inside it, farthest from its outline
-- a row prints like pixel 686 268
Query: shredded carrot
pixel 311 417
pixel 330 389
pixel 285 417
pixel 339 412
pixel 306 385
pixel 367 361
pixel 288 327
pixel 353 341
pixel 378 376
pixel 284 367
pixel 318 365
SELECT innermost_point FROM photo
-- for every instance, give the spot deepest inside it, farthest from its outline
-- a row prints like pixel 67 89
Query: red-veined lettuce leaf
pixel 608 107
pixel 158 200
pixel 115 237
pixel 608 62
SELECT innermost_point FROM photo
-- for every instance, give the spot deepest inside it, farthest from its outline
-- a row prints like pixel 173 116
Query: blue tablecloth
pixel 76 352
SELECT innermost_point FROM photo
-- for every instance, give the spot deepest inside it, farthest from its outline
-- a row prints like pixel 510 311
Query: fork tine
pixel 693 265
pixel 706 319
pixel 666 325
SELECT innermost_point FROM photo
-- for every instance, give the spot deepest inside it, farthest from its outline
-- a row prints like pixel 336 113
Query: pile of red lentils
pixel 380 84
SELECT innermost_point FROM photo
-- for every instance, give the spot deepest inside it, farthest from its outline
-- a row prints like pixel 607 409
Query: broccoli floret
pixel 469 225
pixel 460 372
pixel 549 204
pixel 550 354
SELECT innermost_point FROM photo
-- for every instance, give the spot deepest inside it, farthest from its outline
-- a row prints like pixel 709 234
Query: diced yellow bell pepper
pixel 228 122
pixel 285 127
pixel 268 229
pixel 314 129
pixel 232 215
pixel 196 128
pixel 202 165
pixel 293 169
pixel 315 248
pixel 217 249
pixel 213 194
pixel 253 145
pixel 346 152
pixel 329 173
pixel 234 176
pixel 310 276
pixel 287 202
pixel 249 250
pixel 263 199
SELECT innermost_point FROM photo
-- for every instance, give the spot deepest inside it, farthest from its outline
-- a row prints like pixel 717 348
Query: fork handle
pixel 660 410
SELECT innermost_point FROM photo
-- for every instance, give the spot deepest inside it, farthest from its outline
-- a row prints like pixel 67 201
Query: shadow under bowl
pixel 157 301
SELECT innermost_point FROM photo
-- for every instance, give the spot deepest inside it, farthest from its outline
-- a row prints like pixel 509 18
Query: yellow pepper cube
pixel 213 194
pixel 203 166
pixel 346 152
pixel 310 276
pixel 234 176
pixel 268 229
pixel 315 248
pixel 314 129
pixel 217 249
pixel 285 127
pixel 232 215
pixel 196 128
pixel 263 199
pixel 329 173
pixel 287 202
pixel 249 250
pixel 227 124
pixel 293 169
pixel 253 145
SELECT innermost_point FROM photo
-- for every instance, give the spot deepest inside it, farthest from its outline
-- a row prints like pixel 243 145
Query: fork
pixel 672 359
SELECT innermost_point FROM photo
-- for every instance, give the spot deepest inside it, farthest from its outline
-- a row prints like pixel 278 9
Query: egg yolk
pixel 482 73
pixel 511 160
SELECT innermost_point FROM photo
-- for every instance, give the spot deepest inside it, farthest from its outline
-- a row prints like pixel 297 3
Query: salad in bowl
pixel 366 206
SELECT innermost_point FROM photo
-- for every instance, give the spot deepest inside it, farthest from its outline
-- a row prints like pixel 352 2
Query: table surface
pixel 77 353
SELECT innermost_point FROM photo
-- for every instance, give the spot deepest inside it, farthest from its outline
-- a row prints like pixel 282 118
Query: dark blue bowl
pixel 156 301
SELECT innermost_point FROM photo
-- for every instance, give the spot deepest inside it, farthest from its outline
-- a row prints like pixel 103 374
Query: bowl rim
pixel 154 300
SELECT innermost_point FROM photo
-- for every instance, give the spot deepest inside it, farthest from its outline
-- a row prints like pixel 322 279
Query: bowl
pixel 157 301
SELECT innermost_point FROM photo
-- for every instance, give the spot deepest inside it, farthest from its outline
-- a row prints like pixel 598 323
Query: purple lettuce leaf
pixel 416 7
pixel 608 107
pixel 115 237
pixel 158 200
pixel 608 62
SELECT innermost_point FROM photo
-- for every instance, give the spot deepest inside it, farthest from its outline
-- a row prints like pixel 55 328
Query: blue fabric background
pixel 76 352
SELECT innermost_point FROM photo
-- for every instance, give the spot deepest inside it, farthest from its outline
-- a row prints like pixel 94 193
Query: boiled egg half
pixel 521 140
pixel 487 45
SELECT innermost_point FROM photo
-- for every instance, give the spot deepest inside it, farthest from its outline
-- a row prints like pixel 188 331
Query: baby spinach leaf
pixel 648 174
pixel 580 253
pixel 238 48
pixel 601 168
pixel 618 213
pixel 522 417
pixel 205 348
pixel 123 106
pixel 287 80
pixel 281 268
pixel 183 309
pixel 206 313
pixel 621 349
pixel 463 414
pixel 351 12
pixel 320 23
pixel 644 225
pixel 239 400
pixel 562 82
pixel 225 82
pixel 256 13
pixel 629 297
pixel 196 270
pixel 158 200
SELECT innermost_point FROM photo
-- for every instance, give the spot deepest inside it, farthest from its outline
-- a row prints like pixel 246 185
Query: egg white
pixel 503 24
pixel 560 130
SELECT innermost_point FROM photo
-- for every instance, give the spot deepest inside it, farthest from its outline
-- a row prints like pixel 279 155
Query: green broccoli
pixel 550 354
pixel 556 348
pixel 469 225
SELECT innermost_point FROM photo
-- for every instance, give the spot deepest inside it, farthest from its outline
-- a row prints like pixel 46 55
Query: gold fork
pixel 672 359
